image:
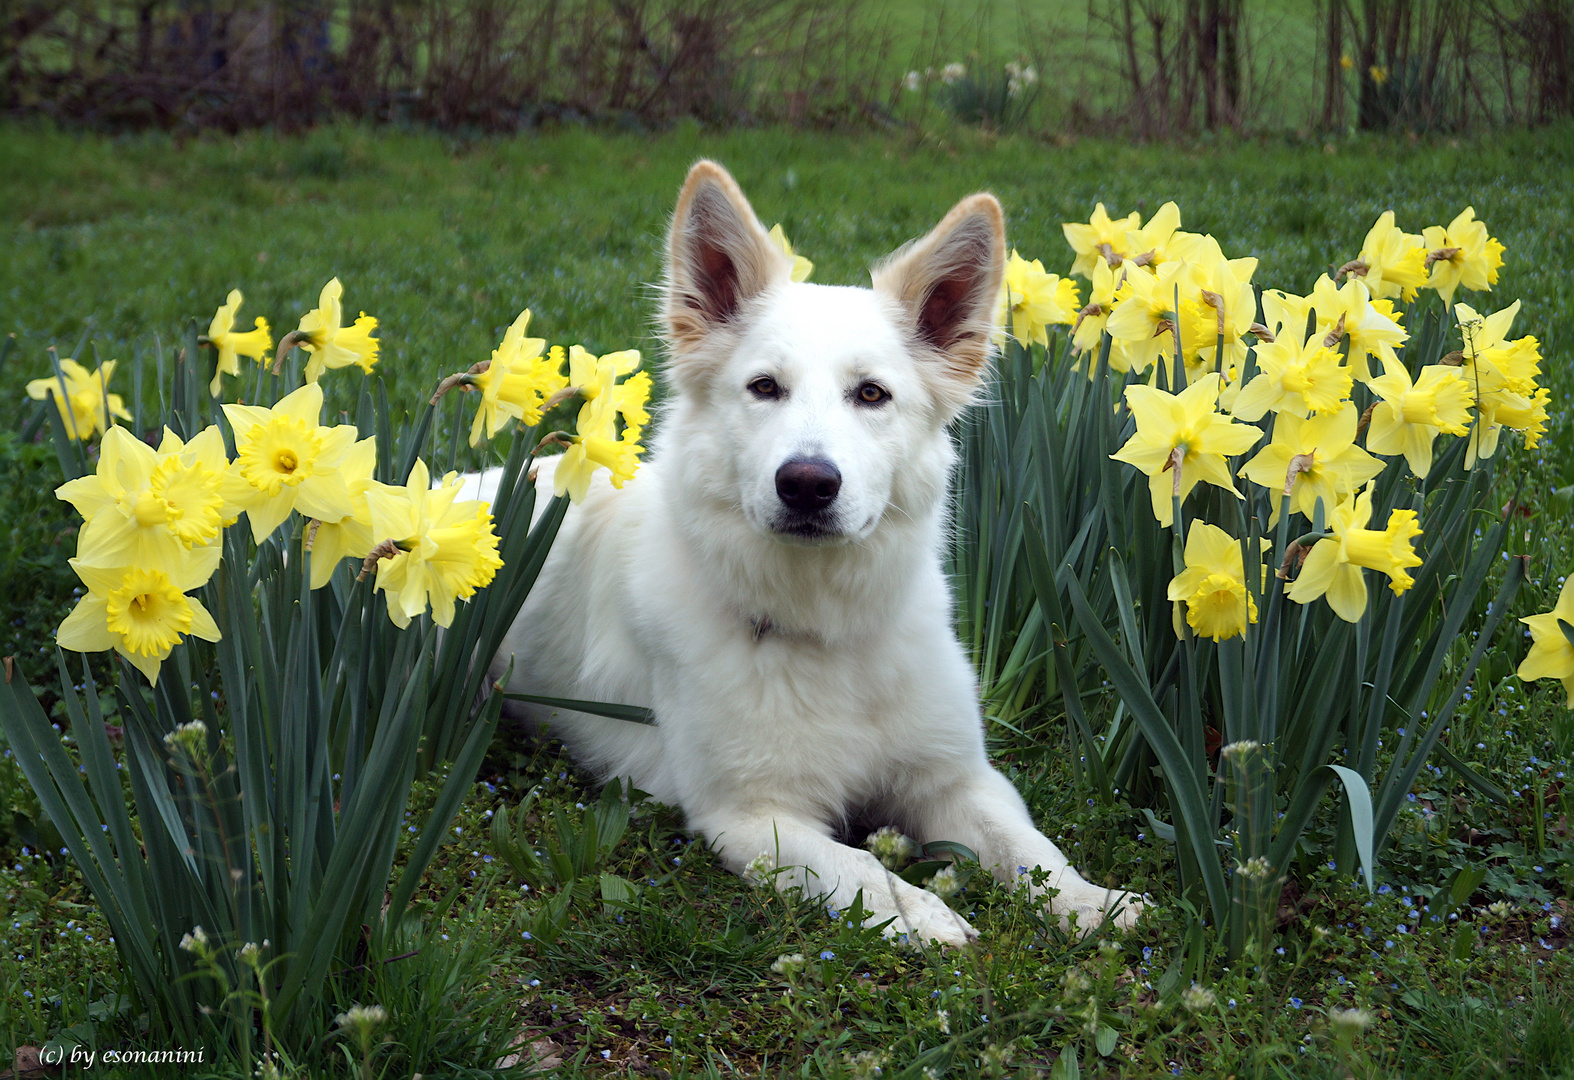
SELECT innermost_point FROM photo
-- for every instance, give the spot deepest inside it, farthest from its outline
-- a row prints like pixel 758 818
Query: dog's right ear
pixel 719 257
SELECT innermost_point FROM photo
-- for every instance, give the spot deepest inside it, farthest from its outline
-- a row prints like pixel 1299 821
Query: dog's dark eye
pixel 873 394
pixel 765 387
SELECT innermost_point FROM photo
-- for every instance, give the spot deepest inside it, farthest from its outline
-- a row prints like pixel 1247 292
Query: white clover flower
pixel 944 1017
pixel 1198 998
pixel 892 848
pixel 912 81
pixel 1256 867
pixel 761 870
pixel 1350 1020
pixel 1241 749
pixel 945 884
pixel 995 1056
pixel 866 1063
pixel 788 964
pixel 1074 983
pixel 952 73
pixel 190 738
pixel 364 1017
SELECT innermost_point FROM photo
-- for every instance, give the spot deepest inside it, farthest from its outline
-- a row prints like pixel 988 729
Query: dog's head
pixel 818 410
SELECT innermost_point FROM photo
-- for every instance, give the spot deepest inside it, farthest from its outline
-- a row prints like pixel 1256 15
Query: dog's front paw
pixel 922 917
pixel 1093 908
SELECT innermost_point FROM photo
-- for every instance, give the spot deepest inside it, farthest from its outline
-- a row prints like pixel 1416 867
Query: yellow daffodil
pixel 1037 300
pixel 1462 254
pixel 1186 422
pixel 447 546
pixel 1333 569
pixel 1332 466
pixel 1394 261
pixel 1499 409
pixel 1482 333
pixel 1295 378
pixel 1101 241
pixel 597 445
pixel 139 612
pixel 159 509
pixel 332 344
pixel 1517 363
pixel 1213 584
pixel 1220 303
pixel 1491 361
pixel 1088 330
pixel 1551 653
pixel 801 267
pixel 350 537
pixel 86 406
pixel 256 343
pixel 1160 241
pixel 1348 312
pixel 1285 314
pixel 1411 414
pixel 1143 321
pixel 285 461
pixel 517 382
pixel 595 377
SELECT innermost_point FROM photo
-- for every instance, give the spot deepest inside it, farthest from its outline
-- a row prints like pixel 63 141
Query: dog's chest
pixel 828 726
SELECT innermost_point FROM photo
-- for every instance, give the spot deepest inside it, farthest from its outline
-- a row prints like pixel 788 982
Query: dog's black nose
pixel 808 485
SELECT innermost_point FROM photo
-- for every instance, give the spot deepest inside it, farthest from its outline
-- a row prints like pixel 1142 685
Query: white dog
pixel 770 583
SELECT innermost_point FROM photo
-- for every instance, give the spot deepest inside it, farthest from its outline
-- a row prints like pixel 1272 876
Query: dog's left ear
pixel 948 284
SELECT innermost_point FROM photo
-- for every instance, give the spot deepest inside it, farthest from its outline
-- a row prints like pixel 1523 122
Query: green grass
pixel 445 242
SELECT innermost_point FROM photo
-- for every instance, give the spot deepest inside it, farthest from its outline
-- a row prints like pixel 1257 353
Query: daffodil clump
pixel 1319 385
pixel 150 536
pixel 154 517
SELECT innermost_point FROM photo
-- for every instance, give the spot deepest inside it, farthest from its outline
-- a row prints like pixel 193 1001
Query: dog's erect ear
pixel 719 257
pixel 948 283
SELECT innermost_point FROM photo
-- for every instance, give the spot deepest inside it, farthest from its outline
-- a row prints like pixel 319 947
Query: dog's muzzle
pixel 807 489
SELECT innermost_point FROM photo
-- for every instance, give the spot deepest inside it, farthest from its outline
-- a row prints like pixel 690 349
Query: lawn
pixel 445 241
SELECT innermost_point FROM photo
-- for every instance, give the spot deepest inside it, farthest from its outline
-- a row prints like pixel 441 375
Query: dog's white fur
pixel 801 674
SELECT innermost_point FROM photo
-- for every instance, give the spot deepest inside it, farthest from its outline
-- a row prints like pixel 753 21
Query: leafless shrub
pixel 487 64
pixel 1155 68
pixel 1434 64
